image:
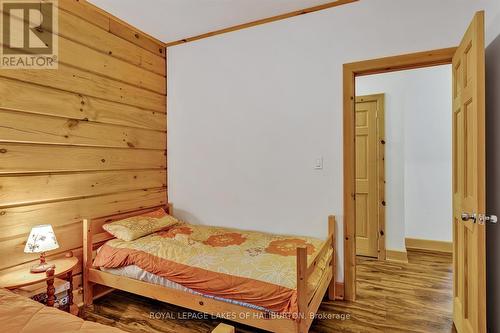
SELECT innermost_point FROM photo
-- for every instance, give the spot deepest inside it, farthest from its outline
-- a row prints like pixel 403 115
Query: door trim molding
pixel 339 290
pixel 350 71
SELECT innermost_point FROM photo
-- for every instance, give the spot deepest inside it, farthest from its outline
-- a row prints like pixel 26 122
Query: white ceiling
pixel 170 20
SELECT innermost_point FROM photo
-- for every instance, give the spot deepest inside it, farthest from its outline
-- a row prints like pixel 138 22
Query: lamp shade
pixel 41 239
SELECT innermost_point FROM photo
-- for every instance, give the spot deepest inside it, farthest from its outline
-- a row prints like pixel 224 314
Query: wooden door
pixel 469 264
pixel 368 141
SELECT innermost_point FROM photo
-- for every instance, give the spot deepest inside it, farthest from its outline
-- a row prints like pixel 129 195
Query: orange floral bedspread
pixel 252 267
pixel 19 314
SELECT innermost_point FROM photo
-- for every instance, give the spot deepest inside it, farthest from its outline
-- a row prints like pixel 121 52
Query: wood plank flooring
pixel 392 297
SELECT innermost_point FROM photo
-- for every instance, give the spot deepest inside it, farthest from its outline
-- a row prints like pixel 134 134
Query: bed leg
pixel 88 294
pixel 331 232
pixel 302 288
pixel 88 287
pixel 223 328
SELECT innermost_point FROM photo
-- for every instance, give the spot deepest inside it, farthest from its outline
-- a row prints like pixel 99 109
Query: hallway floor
pixel 398 297
pixel 392 297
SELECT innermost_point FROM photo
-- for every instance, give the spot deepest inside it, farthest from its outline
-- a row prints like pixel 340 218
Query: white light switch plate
pixel 318 163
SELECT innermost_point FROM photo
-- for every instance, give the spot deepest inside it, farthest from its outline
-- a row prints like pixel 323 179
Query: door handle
pixel 468 217
pixel 479 218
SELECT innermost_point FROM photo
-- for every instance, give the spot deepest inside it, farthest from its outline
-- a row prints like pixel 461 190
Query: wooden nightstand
pixel 23 277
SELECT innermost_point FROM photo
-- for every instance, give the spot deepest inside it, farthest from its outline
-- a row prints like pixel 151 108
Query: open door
pixel 469 163
pixel 369 172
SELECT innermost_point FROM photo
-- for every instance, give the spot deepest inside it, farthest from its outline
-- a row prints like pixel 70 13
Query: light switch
pixel 318 163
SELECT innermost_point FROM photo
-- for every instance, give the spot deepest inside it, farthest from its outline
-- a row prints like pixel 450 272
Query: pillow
pixel 141 225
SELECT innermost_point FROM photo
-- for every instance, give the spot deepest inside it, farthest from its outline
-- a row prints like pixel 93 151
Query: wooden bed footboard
pixel 308 301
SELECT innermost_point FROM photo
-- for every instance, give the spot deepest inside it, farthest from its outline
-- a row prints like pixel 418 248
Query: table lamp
pixel 41 240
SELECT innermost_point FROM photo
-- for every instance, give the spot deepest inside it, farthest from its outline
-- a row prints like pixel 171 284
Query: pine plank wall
pixel 86 140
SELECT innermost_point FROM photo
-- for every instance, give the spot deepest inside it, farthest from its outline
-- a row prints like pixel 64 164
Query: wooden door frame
pixel 350 71
pixel 380 100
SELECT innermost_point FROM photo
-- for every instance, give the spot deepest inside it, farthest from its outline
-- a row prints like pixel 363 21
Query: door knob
pixel 468 217
pixel 479 218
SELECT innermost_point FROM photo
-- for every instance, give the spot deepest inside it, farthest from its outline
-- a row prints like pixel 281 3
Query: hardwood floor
pixel 398 297
pixel 392 297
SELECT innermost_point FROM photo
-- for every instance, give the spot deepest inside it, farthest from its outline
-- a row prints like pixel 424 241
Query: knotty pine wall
pixel 86 140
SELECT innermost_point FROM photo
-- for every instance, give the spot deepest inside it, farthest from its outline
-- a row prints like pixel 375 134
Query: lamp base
pixel 40 268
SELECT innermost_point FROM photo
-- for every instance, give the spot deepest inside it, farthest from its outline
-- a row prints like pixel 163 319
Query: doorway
pixel 351 71
pixel 468 169
pixel 403 126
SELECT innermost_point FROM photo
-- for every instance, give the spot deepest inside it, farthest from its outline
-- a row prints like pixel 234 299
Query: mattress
pixel 247 267
pixel 137 273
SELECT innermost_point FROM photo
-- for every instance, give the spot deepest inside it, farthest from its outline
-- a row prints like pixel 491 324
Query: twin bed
pixel 268 281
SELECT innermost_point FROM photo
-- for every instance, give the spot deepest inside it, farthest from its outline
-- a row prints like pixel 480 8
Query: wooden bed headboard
pixel 99 235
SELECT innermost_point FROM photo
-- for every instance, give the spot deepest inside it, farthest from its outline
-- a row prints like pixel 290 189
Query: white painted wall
pixel 428 160
pixel 249 111
pixel 418 152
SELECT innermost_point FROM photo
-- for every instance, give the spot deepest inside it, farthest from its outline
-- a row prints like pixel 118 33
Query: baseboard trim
pixel 395 255
pixel 429 245
pixel 339 290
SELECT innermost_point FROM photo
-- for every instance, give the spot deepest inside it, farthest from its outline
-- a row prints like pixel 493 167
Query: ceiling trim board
pixel 261 21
